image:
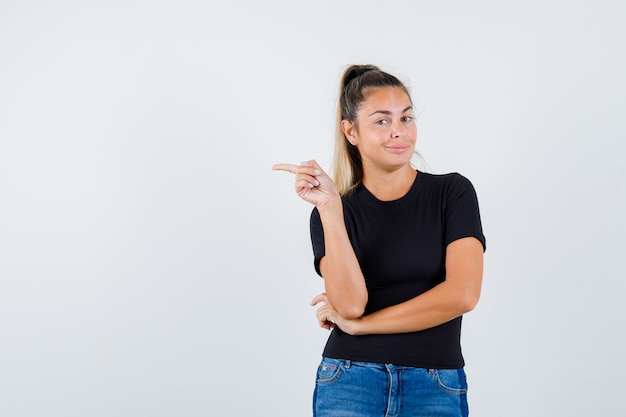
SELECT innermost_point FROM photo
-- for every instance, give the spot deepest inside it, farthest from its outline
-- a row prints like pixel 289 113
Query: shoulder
pixel 451 177
pixel 447 182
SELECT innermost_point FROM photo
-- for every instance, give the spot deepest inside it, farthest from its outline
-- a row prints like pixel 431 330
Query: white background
pixel 151 263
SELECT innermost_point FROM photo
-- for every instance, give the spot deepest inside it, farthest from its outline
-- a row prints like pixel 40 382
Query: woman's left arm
pixel 457 295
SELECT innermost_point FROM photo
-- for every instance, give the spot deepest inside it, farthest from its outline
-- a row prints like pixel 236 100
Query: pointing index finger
pixel 285 167
pixel 305 167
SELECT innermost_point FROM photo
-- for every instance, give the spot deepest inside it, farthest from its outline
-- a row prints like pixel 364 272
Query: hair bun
pixel 356 71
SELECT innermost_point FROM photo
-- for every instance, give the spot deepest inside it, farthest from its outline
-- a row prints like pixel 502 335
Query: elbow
pixel 353 309
pixel 468 301
pixel 349 304
pixel 351 312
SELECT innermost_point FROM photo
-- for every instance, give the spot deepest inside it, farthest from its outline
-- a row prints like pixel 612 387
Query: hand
pixel 326 314
pixel 328 317
pixel 312 183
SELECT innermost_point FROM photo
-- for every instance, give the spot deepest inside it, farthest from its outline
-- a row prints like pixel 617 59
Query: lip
pixel 397 148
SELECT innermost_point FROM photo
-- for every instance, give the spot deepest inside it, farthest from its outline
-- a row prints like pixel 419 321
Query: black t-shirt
pixel 400 246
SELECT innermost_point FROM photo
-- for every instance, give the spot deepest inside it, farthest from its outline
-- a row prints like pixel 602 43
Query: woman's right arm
pixel 343 280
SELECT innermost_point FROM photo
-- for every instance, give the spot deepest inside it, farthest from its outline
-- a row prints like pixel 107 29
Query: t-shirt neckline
pixel 368 194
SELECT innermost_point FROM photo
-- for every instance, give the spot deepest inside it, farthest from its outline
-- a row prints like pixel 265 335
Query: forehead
pixel 385 98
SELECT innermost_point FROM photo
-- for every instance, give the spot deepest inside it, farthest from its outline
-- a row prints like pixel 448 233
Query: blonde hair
pixel 347 171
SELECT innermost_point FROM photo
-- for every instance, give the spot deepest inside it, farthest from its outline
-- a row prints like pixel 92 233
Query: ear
pixel 350 131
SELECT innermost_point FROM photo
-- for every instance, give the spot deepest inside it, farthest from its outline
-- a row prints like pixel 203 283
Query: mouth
pixel 397 148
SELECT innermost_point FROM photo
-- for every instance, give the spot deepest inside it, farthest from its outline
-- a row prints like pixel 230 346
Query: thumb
pixel 312 163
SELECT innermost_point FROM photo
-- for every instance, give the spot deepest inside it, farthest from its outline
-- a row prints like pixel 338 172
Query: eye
pixel 407 119
pixel 382 122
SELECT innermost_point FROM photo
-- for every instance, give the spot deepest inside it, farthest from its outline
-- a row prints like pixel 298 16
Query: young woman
pixel 401 254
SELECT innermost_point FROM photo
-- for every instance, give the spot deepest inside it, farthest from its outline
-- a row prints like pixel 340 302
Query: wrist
pixel 354 327
pixel 332 207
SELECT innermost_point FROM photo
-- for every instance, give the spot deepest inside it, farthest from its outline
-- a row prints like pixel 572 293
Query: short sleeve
pixel 317 239
pixel 462 215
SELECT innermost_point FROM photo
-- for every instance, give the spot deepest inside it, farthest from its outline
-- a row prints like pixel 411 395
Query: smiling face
pixel 385 131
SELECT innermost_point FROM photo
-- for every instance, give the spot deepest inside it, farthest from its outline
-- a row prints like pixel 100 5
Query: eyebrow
pixel 387 112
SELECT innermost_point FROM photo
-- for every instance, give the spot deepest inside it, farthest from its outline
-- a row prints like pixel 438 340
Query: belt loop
pixel 346 364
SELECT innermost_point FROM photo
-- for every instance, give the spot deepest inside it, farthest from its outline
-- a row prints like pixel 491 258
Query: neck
pixel 389 185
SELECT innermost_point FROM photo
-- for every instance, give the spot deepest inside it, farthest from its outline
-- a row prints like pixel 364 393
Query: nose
pixel 397 130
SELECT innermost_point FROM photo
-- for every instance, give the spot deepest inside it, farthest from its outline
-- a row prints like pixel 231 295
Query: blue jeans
pixel 346 388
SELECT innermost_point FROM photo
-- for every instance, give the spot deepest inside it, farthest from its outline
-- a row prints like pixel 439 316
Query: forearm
pixel 343 279
pixel 457 295
pixel 437 306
